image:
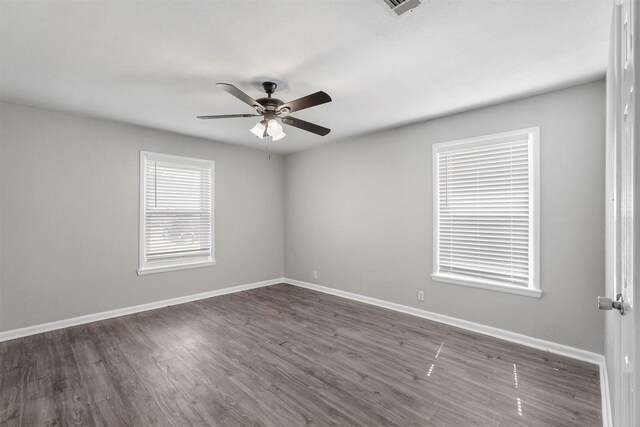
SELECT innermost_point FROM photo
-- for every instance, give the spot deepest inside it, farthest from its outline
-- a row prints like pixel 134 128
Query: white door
pixel 623 216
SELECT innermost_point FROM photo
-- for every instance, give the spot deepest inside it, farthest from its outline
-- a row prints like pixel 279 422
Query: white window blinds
pixel 176 211
pixel 484 209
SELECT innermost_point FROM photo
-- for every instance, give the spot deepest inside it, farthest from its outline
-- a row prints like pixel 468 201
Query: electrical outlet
pixel 315 274
pixel 420 295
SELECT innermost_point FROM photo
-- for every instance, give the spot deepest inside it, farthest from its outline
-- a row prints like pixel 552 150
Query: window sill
pixel 163 268
pixel 454 280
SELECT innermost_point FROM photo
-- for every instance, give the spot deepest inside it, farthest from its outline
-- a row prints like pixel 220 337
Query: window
pixel 486 212
pixel 176 212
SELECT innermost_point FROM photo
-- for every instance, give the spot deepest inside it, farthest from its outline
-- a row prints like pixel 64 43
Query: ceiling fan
pixel 273 109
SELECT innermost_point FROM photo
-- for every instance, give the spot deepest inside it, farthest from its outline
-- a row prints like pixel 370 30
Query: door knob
pixel 608 304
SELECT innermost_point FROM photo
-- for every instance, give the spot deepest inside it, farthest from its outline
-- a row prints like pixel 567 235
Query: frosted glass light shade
pixel 274 129
pixel 258 130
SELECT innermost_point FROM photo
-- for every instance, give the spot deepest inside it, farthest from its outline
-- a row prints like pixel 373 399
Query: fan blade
pixel 309 127
pixel 228 116
pixel 229 88
pixel 305 102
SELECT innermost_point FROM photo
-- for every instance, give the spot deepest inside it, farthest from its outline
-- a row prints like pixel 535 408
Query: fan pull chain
pixel 268 143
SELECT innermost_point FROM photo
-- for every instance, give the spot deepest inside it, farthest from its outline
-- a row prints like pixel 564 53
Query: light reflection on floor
pixel 515 378
pixel 437 354
pixel 515 381
pixel 439 349
pixel 430 369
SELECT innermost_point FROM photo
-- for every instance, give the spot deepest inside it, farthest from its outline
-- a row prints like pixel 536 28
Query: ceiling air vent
pixel 402 6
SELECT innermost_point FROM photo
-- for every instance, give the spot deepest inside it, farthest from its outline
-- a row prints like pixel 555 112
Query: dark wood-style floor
pixel 286 356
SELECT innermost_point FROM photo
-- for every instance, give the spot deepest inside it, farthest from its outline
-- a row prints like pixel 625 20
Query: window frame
pixel 533 289
pixel 148 267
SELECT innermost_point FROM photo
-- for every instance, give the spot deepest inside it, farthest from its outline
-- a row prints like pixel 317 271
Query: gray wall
pixel 69 216
pixel 360 213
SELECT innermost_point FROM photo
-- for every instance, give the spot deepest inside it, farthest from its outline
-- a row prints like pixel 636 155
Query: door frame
pixel 622 334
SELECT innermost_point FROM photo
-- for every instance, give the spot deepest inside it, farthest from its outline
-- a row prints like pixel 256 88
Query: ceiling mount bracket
pixel 269 88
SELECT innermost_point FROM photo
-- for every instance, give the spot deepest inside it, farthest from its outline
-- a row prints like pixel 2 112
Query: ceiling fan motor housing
pixel 270 104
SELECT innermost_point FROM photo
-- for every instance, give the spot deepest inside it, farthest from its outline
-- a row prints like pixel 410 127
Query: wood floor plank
pixel 286 356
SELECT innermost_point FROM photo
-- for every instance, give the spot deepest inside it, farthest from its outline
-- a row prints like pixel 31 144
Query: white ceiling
pixel 154 63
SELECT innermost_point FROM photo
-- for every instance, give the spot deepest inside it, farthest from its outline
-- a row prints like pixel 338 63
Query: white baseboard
pixel 464 324
pixel 80 320
pixel 537 343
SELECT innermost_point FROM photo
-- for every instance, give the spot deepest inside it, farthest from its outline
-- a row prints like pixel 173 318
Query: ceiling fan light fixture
pixel 258 130
pixel 279 136
pixel 274 129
